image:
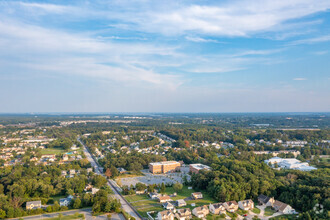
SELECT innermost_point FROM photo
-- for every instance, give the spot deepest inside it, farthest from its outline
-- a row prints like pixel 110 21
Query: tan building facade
pixel 164 167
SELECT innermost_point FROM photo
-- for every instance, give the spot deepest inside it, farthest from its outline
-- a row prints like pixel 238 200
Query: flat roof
pixel 164 163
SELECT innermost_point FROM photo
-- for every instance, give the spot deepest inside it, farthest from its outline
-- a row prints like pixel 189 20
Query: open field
pixel 52 151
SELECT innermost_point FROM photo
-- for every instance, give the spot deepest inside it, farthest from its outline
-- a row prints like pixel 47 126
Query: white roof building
pixel 290 163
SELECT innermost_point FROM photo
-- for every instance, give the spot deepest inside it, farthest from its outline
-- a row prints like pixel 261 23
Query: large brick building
pixel 164 167
pixel 195 168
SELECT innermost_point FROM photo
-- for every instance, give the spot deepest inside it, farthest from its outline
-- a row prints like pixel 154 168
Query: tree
pixel 56 206
pixel 162 188
pixel 177 187
pixel 108 173
pixel 77 203
pixel 2 214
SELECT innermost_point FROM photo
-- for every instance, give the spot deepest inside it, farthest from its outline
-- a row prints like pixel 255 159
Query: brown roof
pixel 164 197
pixel 231 203
pixel 280 205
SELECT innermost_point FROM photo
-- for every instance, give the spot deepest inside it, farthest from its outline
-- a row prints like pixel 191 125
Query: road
pixel 126 207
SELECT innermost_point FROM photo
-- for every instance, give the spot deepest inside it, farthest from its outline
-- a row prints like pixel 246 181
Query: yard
pixel 56 151
pixel 289 217
pixel 269 211
pixel 256 210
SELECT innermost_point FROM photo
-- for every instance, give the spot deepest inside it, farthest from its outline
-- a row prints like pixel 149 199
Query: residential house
pixel 231 206
pixel 163 199
pixel 63 173
pixel 183 214
pixel 95 190
pixel 154 195
pixel 121 170
pixel 265 200
pixel 201 212
pixel 180 203
pixel 65 201
pixel 140 192
pixel 165 215
pixel 217 208
pixel 197 195
pixel 89 170
pixel 72 172
pixel 246 204
pixel 168 206
pixel 33 205
pixel 283 207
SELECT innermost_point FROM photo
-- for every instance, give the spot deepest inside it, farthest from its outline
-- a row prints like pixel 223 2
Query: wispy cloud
pixel 314 40
pixel 200 40
pixel 299 79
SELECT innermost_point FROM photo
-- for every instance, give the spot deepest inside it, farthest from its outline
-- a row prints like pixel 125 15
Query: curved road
pixel 123 202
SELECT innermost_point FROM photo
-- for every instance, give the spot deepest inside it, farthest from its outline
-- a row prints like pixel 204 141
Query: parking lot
pixel 149 178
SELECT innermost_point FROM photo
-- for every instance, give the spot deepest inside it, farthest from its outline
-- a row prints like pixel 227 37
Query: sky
pixel 164 56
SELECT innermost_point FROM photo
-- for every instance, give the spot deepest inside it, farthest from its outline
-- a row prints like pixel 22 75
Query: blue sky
pixel 165 56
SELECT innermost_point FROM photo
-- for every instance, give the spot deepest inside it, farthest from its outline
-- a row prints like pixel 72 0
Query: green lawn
pixel 214 217
pixel 286 217
pixel 52 151
pixel 269 211
pixel 133 198
pixel 241 212
pixel 256 210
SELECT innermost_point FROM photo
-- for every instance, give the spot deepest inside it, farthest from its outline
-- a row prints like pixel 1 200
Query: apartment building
pixel 164 167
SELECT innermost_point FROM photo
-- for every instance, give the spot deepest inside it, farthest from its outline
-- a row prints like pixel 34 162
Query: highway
pixel 126 207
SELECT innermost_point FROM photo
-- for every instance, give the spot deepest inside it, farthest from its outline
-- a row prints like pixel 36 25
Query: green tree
pixel 177 187
pixel 77 203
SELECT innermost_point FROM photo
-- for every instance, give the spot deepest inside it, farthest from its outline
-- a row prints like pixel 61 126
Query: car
pixel 245 215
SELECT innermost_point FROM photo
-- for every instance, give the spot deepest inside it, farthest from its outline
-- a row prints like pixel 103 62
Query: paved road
pixel 123 202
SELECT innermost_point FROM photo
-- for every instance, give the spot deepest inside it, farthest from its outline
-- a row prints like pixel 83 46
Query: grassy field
pixel 214 217
pixel 281 217
pixel 52 151
pixel 269 211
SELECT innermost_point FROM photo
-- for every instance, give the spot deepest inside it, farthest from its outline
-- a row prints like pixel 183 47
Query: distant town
pixel 135 168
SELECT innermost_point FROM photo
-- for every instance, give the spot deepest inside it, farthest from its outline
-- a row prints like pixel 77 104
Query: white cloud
pixel 56 52
pixel 299 79
pixel 232 18
pixel 314 40
pixel 200 40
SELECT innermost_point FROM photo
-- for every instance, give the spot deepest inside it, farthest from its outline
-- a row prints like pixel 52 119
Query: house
pixel 153 195
pixel 163 199
pixel 168 206
pixel 246 204
pixel 265 200
pixel 201 212
pixel 72 172
pixel 180 203
pixel 89 170
pixel 33 205
pixel 65 157
pixel 283 207
pixel 217 208
pixel 231 206
pixel 121 170
pixel 140 192
pixel 66 201
pixel 165 215
pixel 63 173
pixel 183 214
pixel 197 195
pixel 95 190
